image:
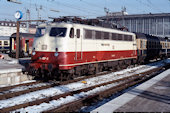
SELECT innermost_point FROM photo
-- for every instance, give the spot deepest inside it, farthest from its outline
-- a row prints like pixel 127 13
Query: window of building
pixel 160 26
pixel 78 33
pixel 0 42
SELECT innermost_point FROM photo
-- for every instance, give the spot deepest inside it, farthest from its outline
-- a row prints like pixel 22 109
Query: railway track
pixel 110 88
pixel 20 89
pixel 120 85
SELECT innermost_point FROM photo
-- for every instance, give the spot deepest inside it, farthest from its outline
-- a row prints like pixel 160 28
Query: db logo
pixel 43 58
pixel 113 47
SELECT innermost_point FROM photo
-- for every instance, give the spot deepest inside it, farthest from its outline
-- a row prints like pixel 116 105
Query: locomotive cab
pixel 50 46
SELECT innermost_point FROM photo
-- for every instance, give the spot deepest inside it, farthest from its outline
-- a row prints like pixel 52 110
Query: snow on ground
pixel 74 86
pixel 61 101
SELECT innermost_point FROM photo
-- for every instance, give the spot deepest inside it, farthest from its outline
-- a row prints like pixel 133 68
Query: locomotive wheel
pixel 100 68
pixel 55 74
pixel 118 68
pixel 38 73
pixel 64 76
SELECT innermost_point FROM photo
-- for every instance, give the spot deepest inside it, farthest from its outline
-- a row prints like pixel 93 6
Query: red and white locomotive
pixel 76 49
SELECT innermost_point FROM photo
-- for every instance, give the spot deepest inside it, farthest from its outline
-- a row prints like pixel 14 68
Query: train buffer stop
pixel 11 72
pixel 151 96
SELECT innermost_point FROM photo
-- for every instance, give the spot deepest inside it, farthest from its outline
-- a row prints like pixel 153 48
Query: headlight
pixel 56 54
pixel 33 53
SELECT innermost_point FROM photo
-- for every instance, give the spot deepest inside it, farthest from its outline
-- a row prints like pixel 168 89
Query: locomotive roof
pixel 23 35
pixel 93 27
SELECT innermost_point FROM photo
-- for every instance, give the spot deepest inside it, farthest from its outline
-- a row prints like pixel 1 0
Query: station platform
pixel 11 72
pixel 151 96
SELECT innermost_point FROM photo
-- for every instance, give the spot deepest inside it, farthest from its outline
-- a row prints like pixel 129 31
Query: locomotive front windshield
pixel 58 31
pixel 40 32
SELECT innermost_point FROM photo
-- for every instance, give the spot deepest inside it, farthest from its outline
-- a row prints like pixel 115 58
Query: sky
pixel 82 8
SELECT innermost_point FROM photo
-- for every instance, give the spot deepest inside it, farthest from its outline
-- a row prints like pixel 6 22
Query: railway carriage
pixel 80 49
pixel 4 44
pixel 151 47
pixel 25 44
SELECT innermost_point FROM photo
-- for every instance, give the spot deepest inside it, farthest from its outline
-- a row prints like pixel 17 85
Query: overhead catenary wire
pixel 91 11
pixel 149 5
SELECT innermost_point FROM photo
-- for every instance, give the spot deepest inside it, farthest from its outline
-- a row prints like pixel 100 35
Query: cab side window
pixel 78 33
pixel 71 33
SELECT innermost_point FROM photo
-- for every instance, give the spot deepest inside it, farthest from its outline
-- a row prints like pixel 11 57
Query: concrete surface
pixel 151 96
pixel 11 72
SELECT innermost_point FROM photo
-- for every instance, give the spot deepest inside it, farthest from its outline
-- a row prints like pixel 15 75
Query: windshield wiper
pixel 59 34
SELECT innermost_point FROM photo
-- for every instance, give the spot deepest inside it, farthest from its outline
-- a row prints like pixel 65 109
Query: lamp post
pixel 17 40
pixel 18 16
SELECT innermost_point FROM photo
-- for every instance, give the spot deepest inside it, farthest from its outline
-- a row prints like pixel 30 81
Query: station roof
pixel 137 16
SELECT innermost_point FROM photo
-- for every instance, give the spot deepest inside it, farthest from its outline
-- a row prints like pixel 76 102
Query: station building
pixel 154 24
pixel 7 28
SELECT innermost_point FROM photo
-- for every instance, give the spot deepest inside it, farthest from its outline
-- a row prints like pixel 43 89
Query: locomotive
pixel 67 49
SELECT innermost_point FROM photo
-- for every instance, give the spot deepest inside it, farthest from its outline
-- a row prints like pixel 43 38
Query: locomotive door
pixel 27 46
pixel 78 44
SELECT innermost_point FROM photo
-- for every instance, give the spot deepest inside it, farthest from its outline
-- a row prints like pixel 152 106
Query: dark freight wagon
pixel 25 44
